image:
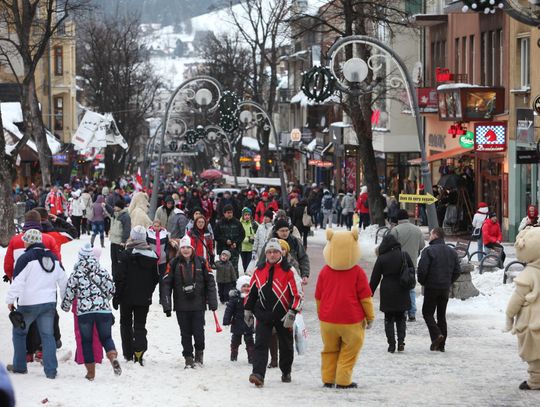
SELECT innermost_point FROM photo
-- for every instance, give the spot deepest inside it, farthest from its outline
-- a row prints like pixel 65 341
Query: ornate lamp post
pixel 354 72
pixel 202 92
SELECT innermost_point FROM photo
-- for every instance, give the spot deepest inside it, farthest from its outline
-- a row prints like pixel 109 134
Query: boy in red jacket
pixel 344 306
pixel 492 234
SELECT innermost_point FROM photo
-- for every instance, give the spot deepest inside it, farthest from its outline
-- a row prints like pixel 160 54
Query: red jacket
pixel 361 203
pixel 262 207
pixel 203 247
pixel 16 248
pixel 208 207
pixel 340 293
pixel 56 202
pixel 491 232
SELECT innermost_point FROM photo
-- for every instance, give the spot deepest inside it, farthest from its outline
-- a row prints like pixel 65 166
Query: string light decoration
pixel 483 6
pixel 228 111
pixel 318 83
pixel 191 137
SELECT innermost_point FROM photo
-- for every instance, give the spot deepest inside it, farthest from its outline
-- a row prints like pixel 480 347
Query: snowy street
pixel 480 367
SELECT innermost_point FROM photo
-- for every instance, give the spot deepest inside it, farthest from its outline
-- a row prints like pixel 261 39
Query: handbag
pixel 477 232
pixel 407 277
pixel 306 219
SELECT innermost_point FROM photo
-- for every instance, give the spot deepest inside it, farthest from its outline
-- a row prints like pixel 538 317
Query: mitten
pixel 5 278
pixel 288 319
pixel 249 319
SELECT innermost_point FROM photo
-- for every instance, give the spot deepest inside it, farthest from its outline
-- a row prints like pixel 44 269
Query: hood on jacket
pixel 483 211
pixel 100 199
pixel 388 243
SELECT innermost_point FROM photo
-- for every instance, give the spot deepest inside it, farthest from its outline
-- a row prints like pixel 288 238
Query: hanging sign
pixel 417 198
pixel 490 137
pixel 467 140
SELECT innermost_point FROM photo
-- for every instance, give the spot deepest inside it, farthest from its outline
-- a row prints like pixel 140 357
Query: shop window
pixel 58 61
pixel 471 56
pixel 524 59
pixel 59 113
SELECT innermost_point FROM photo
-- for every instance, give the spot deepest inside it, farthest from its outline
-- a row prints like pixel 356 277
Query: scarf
pixel 30 224
pixel 158 240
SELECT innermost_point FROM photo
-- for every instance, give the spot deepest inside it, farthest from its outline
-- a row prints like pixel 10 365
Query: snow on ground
pixel 481 366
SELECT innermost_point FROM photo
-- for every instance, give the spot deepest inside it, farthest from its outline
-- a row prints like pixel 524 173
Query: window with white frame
pixel 524 58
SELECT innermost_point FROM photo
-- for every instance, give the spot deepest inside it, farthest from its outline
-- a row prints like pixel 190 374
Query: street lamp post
pixel 529 15
pixel 148 155
pixel 202 97
pixel 356 70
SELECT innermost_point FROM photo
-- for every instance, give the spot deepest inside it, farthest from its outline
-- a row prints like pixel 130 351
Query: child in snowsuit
pixel 225 276
pixel 234 316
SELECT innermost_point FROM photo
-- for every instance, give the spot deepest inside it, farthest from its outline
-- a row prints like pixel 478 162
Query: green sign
pixel 467 140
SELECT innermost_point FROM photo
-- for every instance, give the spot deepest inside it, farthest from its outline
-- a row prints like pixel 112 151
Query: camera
pixel 189 290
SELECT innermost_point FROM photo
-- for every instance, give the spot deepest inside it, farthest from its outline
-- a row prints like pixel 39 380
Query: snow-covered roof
pixel 458 86
pixel 12 114
pixel 340 124
pixel 253 144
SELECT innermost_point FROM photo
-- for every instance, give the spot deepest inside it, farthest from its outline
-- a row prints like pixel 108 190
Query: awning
pixel 442 155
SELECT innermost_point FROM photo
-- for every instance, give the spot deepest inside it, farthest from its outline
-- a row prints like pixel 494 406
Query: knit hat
pixel 403 214
pixel 264 194
pixel 32 236
pixel 86 251
pixel 482 205
pixel 284 245
pixel 269 214
pixel 246 209
pixel 185 242
pixel 273 244
pixel 138 233
pixel 226 253
pixel 281 223
pixel 242 280
pixel 493 214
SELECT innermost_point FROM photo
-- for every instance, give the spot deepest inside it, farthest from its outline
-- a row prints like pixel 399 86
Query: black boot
pixel 401 325
pixel 390 333
pixel 102 240
pixel 138 357
pixel 234 353
pixel 199 354
pixel 190 363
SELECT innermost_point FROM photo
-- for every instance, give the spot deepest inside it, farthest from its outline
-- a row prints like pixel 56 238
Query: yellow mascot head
pixel 342 250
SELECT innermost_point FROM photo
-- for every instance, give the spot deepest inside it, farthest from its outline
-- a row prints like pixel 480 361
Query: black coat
pixel 297 214
pixel 438 266
pixel 394 298
pixel 234 314
pixel 184 273
pixel 136 278
pixel 229 229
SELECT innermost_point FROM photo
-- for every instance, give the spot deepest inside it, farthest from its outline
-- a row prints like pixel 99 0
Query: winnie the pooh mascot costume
pixel 344 306
pixel 138 210
pixel 523 311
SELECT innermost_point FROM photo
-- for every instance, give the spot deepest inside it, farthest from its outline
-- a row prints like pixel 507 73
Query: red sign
pixel 490 137
pixel 321 163
pixel 427 100
pixel 350 172
pixel 443 75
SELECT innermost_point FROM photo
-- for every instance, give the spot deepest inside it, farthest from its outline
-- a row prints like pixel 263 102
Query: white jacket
pixel 479 217
pixel 261 236
pixel 77 206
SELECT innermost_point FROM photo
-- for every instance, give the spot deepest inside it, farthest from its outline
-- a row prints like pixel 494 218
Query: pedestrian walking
pixel 119 232
pixel 229 235
pixel 192 286
pixel 98 220
pixel 362 207
pixel 225 276
pixel 347 212
pixel 395 300
pixel 437 270
pixel 263 232
pixel 327 206
pixel 250 229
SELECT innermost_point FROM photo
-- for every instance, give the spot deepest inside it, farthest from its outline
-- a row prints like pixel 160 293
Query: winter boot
pixel 401 347
pixel 102 240
pixel 256 379
pixel 353 385
pixel 138 357
pixel 390 333
pixel 112 356
pixel 401 325
pixel 190 363
pixel 286 377
pixel 92 239
pixel 436 343
pixel 392 348
pixel 90 371
pixel 234 353
pixel 199 355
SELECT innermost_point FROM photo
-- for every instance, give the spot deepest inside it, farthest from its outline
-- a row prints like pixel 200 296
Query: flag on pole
pixel 138 180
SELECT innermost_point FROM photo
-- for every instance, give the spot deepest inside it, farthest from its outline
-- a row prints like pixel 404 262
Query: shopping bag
pixel 356 219
pixel 300 334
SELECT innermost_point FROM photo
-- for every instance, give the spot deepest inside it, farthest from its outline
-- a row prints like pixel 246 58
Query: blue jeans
pixel 412 311
pixel 103 322
pixel 98 227
pixel 43 314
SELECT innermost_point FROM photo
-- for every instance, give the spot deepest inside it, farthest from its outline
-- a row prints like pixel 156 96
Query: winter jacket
pixel 55 203
pixel 208 208
pixel 250 228
pixel 6 388
pixel 262 207
pixel 177 224
pixel 348 204
pixel 91 285
pixel 36 277
pixel 327 203
pixel 183 274
pixel 410 237
pixel 439 265
pixel 77 206
pixel 394 298
pixel 152 240
pixel 491 232
pixel 202 242
pixel 120 227
pixel 136 276
pixel 341 295
pixel 274 290
pixel 86 199
pixel 234 314
pixel 98 213
pixel 164 215
pixel 225 272
pixel 362 204
pixel 480 217
pixel 138 210
pixel 263 232
pixel 210 231
pixel 16 248
pixel 229 229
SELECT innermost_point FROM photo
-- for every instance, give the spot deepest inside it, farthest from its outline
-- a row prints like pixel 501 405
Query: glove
pixel 249 319
pixel 288 319
pixel 509 324
pixel 168 314
pixel 369 324
pixel 5 278
pixel 115 303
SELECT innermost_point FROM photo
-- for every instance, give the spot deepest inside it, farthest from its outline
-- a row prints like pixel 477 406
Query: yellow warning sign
pixel 420 199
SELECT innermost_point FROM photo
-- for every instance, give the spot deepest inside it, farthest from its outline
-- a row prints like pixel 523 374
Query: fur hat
pixel 186 242
pixel 242 280
pixel 138 233
pixel 281 223
pixel 32 236
pixel 273 244
pixel 226 253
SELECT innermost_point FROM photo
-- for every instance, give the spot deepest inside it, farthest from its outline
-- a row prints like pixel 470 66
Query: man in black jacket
pixel 193 286
pixel 229 235
pixel 437 270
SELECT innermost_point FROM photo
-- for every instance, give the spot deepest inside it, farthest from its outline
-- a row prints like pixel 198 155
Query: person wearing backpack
pixel 395 299
pixel 327 205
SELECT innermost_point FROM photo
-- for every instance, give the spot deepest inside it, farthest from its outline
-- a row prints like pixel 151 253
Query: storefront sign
pixel 427 100
pixel 467 140
pixel 527 157
pixel 60 159
pixel 437 141
pixel 417 198
pixel 296 135
pixel 246 159
pixel 350 173
pixel 321 163
pixel 525 126
pixel 490 137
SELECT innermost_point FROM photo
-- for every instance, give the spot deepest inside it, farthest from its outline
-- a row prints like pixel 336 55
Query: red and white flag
pixel 138 180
